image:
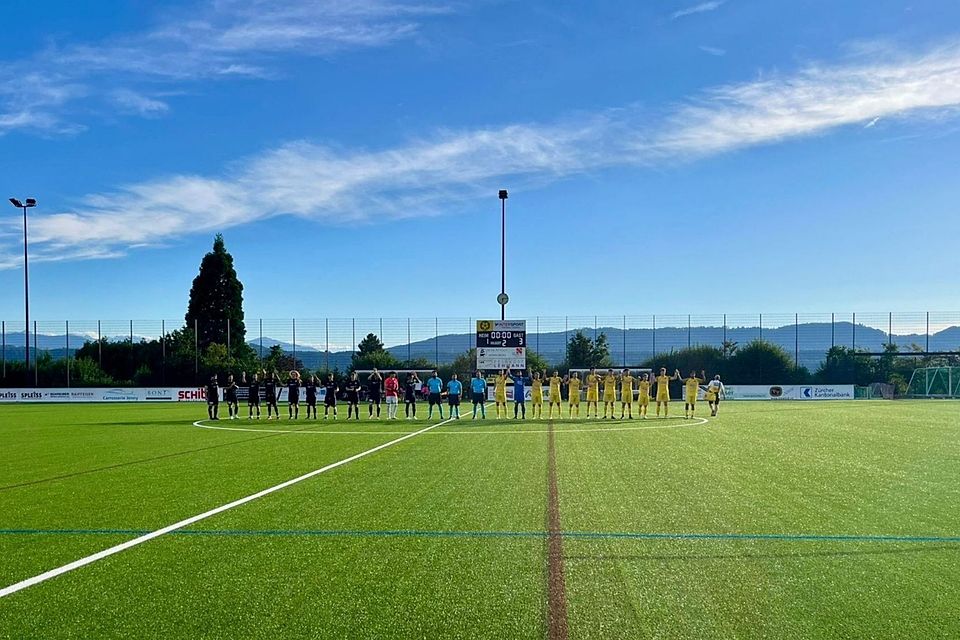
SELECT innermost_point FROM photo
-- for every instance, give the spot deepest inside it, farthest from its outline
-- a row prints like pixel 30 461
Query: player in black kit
pixel 311 388
pixel 253 399
pixel 293 395
pixel 270 390
pixel 330 399
pixel 353 395
pixel 410 390
pixel 230 397
pixel 213 398
pixel 374 386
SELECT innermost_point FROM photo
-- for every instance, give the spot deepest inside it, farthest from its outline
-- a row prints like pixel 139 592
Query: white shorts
pixel 392 399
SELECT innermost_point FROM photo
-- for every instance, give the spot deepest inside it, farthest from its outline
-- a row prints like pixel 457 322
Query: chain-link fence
pixel 63 347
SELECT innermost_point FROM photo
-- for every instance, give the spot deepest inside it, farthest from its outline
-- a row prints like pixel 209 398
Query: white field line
pixel 100 555
pixel 467 431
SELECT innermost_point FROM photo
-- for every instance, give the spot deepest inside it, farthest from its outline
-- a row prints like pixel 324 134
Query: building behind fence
pixel 329 343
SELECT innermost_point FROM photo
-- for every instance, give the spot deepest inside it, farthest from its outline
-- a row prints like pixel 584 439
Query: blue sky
pixel 671 156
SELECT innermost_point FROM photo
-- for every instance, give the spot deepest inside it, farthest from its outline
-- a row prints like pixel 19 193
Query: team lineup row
pixel 388 389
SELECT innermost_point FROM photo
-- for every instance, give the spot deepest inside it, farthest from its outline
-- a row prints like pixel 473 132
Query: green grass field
pixel 773 520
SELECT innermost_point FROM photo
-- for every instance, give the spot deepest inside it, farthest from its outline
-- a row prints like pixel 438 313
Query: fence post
pixel 36 367
pixel 3 329
pixel 261 343
pixel 326 353
pixel 796 341
pixel 294 343
pixel 761 327
pixel 594 328
pixel 131 332
pixel 354 347
pixel 566 335
pixel 163 352
pixel 67 355
pixel 724 335
pixel 408 341
pixel 624 341
pixel 928 332
pixel 890 329
pixel 654 336
pixel 854 331
pixel 436 341
pixel 381 330
pixel 833 331
pixel 538 334
pixel 228 337
pixel 688 331
pixel 196 349
pixel 99 345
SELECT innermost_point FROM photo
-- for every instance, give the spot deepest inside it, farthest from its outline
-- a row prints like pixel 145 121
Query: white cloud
pixel 714 51
pixel 703 7
pixel 213 39
pixel 435 173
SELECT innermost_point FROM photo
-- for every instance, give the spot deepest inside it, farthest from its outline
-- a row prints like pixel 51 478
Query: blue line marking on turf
pixel 416 533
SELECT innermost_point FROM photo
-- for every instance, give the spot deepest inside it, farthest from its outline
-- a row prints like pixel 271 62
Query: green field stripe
pixel 574 535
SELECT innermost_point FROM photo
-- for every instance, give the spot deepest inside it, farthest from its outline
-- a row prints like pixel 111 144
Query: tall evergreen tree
pixel 215 297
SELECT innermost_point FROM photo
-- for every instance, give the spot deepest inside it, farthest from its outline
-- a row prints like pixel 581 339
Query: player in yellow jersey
pixel 663 390
pixel 536 395
pixel 500 393
pixel 693 390
pixel 573 386
pixel 626 394
pixel 554 398
pixel 643 398
pixel 593 391
pixel 609 393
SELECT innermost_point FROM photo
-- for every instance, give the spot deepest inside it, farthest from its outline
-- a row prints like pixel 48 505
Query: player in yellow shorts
pixel 693 390
pixel 554 398
pixel 500 393
pixel 574 397
pixel 609 392
pixel 663 390
pixel 536 396
pixel 715 391
pixel 643 399
pixel 626 394
pixel 593 391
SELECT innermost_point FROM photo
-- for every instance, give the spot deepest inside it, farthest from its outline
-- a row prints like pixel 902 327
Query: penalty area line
pixel 106 553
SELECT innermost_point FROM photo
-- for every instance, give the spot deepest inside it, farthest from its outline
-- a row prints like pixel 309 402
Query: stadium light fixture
pixel 502 298
pixel 29 203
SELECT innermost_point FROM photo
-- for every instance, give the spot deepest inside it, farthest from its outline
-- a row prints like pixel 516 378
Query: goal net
pixel 934 382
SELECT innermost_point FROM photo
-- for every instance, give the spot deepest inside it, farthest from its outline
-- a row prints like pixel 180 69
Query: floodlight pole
pixel 28 203
pixel 503 252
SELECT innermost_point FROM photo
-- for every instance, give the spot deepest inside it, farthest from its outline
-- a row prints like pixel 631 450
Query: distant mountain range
pixel 630 347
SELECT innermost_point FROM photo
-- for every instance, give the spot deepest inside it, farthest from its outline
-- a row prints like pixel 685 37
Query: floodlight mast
pixel 502 298
pixel 27 204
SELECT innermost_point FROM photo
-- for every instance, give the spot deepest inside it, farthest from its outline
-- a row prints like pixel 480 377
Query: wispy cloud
pixel 714 51
pixel 439 172
pixel 703 7
pixel 214 39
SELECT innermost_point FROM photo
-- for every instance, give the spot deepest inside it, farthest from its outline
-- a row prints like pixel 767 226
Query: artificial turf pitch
pixel 774 520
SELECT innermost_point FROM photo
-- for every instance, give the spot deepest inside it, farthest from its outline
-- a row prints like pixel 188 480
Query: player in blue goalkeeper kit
pixel 519 406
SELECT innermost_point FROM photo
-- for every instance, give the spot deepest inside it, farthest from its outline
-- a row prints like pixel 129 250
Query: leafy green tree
pixel 583 352
pixel 215 297
pixel 762 362
pixel 371 354
pixel 700 358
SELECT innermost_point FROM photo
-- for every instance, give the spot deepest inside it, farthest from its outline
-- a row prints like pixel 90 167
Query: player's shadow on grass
pixel 135 423
pixel 644 557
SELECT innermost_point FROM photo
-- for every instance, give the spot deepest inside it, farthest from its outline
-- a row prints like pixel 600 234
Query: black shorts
pixel 453 400
pixel 294 398
pixel 213 401
pixel 271 399
pixel 434 398
pixel 353 397
pixel 410 399
pixel 478 398
pixel 231 399
pixel 330 400
pixel 311 401
pixel 374 397
pixel 254 401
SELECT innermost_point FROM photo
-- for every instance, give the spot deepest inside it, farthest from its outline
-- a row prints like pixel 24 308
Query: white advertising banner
pixel 789 392
pixel 496 358
pixel 104 394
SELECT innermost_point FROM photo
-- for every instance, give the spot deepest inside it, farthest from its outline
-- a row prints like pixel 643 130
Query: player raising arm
pixel 330 391
pixel 692 391
pixel 230 397
pixel 410 390
pixel 293 395
pixel 374 384
pixel 253 394
pixel 715 391
pixel 663 390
